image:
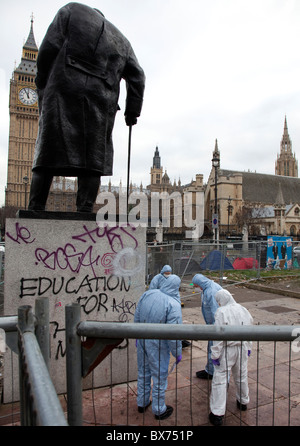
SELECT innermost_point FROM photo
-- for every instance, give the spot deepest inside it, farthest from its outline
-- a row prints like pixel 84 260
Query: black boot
pixel 168 412
pixel 241 406
pixel 202 374
pixel 142 409
pixel 216 420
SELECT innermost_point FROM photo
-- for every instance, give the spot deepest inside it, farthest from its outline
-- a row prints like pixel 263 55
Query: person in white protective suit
pixel 160 278
pixel 229 356
pixel 153 355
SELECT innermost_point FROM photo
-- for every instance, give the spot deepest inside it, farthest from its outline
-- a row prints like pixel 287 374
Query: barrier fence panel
pixel 273 381
pixel 156 257
pixel 189 258
pixel 269 387
pixel 39 403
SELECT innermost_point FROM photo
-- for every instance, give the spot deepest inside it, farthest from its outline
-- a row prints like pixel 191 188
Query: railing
pixel 39 401
pixel 110 332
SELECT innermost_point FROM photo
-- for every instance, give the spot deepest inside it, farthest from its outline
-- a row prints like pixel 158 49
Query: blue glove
pixel 178 359
pixel 216 361
pixel 249 353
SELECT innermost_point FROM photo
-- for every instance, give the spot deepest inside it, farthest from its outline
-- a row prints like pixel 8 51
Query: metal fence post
pixel 42 328
pixel 26 322
pixel 259 258
pixel 40 405
pixel 1 261
pixel 73 365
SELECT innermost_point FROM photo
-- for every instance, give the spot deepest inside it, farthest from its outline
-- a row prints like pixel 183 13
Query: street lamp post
pixel 229 210
pixel 25 181
pixel 216 165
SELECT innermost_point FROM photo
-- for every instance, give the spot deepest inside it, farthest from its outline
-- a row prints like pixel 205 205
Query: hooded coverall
pixel 167 287
pixel 209 307
pixel 153 355
pixel 160 278
pixel 232 355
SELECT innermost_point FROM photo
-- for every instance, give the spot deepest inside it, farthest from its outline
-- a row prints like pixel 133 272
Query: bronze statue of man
pixel 80 64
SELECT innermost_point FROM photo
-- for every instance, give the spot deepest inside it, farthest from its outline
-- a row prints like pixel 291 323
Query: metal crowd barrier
pixel 39 402
pixel 109 332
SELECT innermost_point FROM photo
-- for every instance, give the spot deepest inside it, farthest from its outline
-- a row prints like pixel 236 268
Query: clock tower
pixel 24 117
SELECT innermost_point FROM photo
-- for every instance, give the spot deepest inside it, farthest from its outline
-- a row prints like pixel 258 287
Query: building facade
pixel 263 204
pixel 259 204
pixel 177 210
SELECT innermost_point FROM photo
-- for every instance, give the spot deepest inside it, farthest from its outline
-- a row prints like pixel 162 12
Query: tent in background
pixel 215 260
pixel 245 263
pixel 187 266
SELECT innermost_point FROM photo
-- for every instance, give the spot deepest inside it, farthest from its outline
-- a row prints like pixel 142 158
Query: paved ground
pixel 270 403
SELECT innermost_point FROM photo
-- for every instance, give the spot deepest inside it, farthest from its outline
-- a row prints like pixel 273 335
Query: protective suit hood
pixel 223 297
pixel 166 269
pixel 201 280
pixel 171 286
pixel 160 278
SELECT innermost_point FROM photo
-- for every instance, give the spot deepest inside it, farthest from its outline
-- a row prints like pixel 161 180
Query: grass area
pixel 241 275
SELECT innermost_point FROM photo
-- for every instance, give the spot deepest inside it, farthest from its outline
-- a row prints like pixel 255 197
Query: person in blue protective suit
pixel 153 355
pixel 229 356
pixel 166 287
pixel 209 307
pixel 160 278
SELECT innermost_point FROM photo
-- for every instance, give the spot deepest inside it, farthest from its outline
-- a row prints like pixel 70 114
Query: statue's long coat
pixel 80 64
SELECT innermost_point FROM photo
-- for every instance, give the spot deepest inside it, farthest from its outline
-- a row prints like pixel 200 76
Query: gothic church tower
pixel 286 163
pixel 156 170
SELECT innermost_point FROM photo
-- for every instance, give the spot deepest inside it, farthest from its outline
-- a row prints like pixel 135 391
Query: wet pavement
pixel 274 397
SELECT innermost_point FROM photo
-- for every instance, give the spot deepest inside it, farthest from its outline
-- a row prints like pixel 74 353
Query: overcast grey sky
pixel 217 69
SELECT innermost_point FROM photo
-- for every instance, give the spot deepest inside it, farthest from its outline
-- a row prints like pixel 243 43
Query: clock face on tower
pixel 28 96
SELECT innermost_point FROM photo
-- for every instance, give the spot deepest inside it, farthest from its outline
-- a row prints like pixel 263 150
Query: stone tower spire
pixel 29 55
pixel 156 159
pixel 286 163
pixel 156 172
pixel 30 42
pixel 286 143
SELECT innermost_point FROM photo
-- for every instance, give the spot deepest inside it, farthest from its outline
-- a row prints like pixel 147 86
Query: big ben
pixel 23 111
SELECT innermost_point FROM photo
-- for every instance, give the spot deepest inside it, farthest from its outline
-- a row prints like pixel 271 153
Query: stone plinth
pixel 69 258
